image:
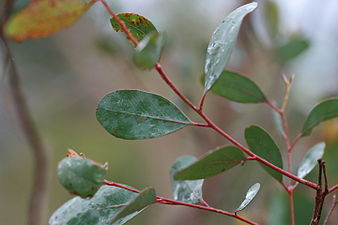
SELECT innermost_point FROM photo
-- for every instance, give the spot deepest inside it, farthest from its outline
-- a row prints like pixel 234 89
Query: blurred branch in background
pixel 39 193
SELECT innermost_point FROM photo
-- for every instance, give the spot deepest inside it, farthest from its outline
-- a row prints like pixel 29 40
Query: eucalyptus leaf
pixel 148 51
pixel 99 210
pixel 310 159
pixel 134 114
pixel 238 88
pixel 261 143
pixel 213 163
pixel 81 176
pixel 184 190
pixel 250 195
pixel 324 111
pixel 138 25
pixel 145 198
pixel 222 43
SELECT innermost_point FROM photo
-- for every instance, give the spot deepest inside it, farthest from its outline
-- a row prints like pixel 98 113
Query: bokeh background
pixel 64 77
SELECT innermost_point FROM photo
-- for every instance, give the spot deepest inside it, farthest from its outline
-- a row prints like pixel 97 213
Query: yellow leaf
pixel 44 18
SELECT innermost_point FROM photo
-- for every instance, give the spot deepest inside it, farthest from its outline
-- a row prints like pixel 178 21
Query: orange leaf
pixel 43 18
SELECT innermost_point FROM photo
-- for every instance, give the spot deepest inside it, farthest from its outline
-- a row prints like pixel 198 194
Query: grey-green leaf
pixel 184 190
pixel 134 114
pixel 145 198
pixel 148 52
pixel 238 88
pixel 292 49
pixel 310 159
pixel 213 163
pixel 261 143
pixel 81 176
pixel 222 43
pixel 250 195
pixel 324 111
pixel 99 210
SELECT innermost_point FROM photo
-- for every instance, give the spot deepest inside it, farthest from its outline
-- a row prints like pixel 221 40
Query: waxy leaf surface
pixel 143 199
pixel 250 195
pixel 310 159
pixel 185 190
pixel 138 25
pixel 134 114
pixel 81 176
pixel 101 209
pixel 261 143
pixel 148 51
pixel 213 163
pixel 324 111
pixel 238 88
pixel 222 43
pixel 43 18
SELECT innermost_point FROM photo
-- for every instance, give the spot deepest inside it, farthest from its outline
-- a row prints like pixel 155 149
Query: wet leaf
pixel 134 114
pixel 81 176
pixel 261 143
pixel 184 190
pixel 43 18
pixel 250 195
pixel 310 160
pixel 222 43
pixel 324 111
pixel 213 163
pixel 101 209
pixel 292 49
pixel 148 51
pixel 238 88
pixel 138 25
pixel 145 198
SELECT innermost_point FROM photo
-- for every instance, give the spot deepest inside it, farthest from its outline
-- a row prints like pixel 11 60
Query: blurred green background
pixel 65 76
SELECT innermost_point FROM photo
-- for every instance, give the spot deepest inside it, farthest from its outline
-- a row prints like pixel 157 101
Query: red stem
pixel 333 188
pixel 168 201
pixel 165 77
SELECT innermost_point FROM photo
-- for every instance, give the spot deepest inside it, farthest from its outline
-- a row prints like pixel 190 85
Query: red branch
pixel 168 201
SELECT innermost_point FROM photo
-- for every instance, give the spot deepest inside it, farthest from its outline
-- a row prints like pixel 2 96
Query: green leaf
pixel 148 51
pixel 81 176
pixel 238 88
pixel 44 18
pixel 222 43
pixel 310 160
pixel 261 143
pixel 250 195
pixel 145 198
pixel 101 209
pixel 324 111
pixel 213 163
pixel 292 49
pixel 185 191
pixel 134 114
pixel 138 25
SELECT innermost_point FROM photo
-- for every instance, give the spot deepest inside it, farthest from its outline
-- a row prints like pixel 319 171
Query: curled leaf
pixel 250 195
pixel 81 176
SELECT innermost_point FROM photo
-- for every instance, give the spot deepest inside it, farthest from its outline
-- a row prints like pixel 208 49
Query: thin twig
pixel 39 193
